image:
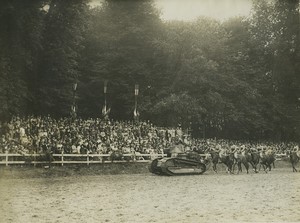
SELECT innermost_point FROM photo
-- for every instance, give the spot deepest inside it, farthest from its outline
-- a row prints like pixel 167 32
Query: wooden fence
pixel 33 159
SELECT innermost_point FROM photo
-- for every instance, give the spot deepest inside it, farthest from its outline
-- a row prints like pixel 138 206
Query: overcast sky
pixel 191 9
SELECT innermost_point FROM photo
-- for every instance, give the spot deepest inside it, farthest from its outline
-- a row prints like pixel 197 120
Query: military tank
pixel 180 165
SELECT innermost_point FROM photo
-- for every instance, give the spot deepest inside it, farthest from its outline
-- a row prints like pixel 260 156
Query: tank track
pixel 176 166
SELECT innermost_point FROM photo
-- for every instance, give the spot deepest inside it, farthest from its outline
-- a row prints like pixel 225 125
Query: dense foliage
pixel 234 79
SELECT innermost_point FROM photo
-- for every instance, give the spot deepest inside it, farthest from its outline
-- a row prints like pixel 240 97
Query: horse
pixel 225 158
pixel 242 157
pixel 228 159
pixel 266 159
pixel 294 159
pixel 253 159
pixel 214 159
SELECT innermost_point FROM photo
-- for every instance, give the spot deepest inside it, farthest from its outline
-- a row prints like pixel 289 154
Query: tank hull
pixel 176 166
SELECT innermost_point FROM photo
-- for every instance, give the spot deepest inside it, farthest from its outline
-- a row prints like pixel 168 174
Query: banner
pixel 136 113
pixel 73 108
pixel 73 111
pixel 136 90
pixel 75 86
pixel 105 111
pixel 105 87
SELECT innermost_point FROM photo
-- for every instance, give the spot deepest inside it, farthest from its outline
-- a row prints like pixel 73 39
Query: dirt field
pixel 143 197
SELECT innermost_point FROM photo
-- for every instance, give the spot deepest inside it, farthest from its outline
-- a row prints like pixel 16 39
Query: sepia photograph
pixel 139 111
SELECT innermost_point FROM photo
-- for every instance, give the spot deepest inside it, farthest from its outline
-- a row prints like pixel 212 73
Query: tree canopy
pixel 237 79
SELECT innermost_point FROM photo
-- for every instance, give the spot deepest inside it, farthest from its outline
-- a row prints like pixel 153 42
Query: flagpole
pixel 105 99
pixel 73 108
pixel 136 93
pixel 135 102
pixel 104 110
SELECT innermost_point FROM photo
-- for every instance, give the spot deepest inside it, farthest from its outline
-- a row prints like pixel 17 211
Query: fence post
pixel 6 158
pixel 62 157
pixel 34 159
pixel 87 158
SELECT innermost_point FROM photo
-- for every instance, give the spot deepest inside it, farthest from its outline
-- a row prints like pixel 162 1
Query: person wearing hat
pixel 177 148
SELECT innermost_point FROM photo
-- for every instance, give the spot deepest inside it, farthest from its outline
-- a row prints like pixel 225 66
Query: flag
pixel 73 108
pixel 136 113
pixel 73 111
pixel 136 90
pixel 105 87
pixel 105 111
pixel 75 86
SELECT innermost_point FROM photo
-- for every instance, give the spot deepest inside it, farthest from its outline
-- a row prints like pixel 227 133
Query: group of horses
pixel 246 157
pixel 234 159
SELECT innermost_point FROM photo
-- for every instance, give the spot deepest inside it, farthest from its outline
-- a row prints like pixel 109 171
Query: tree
pixel 275 28
pixel 120 49
pixel 59 68
pixel 20 43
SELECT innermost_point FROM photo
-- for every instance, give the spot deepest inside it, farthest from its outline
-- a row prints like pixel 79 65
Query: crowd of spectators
pixel 42 134
pixel 45 134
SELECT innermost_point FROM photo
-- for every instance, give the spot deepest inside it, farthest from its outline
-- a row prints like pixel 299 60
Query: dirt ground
pixel 144 197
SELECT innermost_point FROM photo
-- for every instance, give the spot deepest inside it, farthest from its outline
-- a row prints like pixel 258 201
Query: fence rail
pixel 32 159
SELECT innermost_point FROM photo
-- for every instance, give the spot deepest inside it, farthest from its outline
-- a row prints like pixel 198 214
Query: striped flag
pixel 136 90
